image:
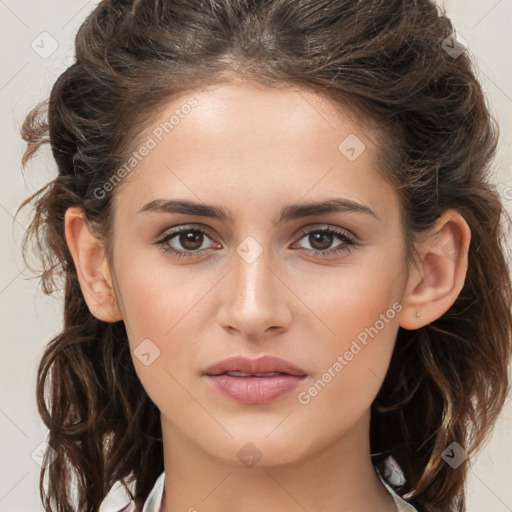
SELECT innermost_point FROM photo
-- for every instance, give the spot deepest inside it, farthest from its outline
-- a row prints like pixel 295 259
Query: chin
pixel 258 450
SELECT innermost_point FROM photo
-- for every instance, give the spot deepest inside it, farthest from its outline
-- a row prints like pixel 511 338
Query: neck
pixel 339 477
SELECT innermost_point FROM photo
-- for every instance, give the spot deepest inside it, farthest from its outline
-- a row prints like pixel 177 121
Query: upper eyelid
pixel 183 228
pixel 325 227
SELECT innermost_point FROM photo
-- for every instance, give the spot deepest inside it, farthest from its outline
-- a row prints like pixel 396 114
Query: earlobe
pixel 438 278
pixel 91 267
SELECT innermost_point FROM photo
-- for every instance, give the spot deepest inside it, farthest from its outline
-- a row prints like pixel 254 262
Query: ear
pixel 91 267
pixel 440 271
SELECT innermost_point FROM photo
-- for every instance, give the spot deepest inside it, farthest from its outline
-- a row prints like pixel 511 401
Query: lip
pixel 254 389
pixel 263 364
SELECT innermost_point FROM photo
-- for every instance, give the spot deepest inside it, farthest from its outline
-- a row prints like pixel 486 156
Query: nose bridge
pixel 253 280
pixel 255 299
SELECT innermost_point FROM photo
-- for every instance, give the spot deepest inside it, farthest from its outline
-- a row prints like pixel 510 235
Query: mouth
pixel 242 374
pixel 254 381
pixel 266 366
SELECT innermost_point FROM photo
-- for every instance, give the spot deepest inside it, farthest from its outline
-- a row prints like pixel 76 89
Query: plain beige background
pixel 36 37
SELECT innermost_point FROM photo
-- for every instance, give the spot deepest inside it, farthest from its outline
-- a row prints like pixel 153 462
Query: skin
pixel 253 150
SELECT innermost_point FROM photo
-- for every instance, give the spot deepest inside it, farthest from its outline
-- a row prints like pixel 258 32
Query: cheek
pixel 352 365
pixel 157 299
pixel 164 313
pixel 348 300
pixel 359 309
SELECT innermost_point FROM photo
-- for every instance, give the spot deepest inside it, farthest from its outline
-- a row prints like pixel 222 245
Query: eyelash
pixel 348 240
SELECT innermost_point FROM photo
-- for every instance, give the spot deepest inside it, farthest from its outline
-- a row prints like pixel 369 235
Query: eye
pixel 321 239
pixel 190 239
pixel 188 242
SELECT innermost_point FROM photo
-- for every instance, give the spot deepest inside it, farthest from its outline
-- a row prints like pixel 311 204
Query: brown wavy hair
pixel 447 381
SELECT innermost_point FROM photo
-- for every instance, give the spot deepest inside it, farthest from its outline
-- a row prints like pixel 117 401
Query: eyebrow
pixel 289 212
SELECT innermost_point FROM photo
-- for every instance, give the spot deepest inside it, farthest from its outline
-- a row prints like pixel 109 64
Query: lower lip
pixel 255 390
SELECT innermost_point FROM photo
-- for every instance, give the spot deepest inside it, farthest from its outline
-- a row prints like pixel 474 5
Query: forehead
pixel 253 143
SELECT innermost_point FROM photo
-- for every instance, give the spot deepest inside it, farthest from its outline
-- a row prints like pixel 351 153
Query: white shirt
pixel 154 500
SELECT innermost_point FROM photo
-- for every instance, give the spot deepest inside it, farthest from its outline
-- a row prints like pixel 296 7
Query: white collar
pixel 153 502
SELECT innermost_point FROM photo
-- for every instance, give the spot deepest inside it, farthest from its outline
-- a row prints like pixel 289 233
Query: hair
pixel 447 381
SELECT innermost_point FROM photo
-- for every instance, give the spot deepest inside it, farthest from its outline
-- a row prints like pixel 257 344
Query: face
pixel 245 273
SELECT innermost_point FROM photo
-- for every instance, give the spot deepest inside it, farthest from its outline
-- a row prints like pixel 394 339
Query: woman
pixel 283 260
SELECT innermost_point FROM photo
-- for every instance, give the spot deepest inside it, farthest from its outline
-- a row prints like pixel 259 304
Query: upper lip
pixel 263 364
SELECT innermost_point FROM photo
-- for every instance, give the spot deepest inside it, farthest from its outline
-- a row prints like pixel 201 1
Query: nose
pixel 255 301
